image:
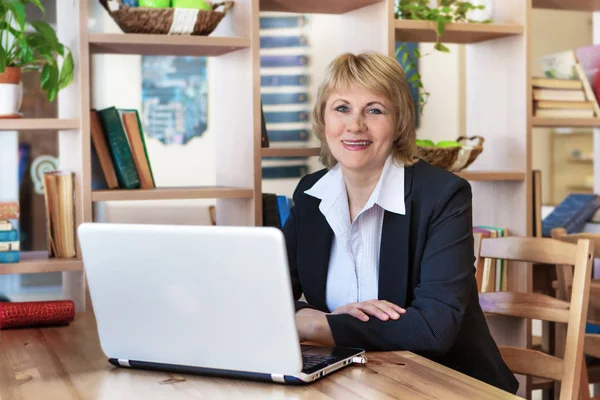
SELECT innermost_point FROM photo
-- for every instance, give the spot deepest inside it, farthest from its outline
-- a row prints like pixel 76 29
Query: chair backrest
pixel 548 252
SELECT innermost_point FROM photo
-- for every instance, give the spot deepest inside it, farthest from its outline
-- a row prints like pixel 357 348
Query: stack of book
pixel 494 276
pixel 119 155
pixel 560 98
pixel 276 209
pixel 9 233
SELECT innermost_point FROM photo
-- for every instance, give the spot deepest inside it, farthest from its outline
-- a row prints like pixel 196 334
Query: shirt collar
pixel 388 193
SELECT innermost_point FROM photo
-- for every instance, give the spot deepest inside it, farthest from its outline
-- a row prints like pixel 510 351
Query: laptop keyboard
pixel 312 363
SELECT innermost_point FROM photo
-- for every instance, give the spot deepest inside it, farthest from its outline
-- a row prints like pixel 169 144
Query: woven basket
pixel 160 20
pixel 452 158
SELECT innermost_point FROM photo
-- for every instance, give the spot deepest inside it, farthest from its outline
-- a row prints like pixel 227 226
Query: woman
pixel 380 243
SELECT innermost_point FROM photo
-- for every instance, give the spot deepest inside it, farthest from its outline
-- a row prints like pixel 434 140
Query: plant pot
pixel 11 75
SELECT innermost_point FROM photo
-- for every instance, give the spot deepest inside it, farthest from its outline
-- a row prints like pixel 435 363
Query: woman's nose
pixel 355 124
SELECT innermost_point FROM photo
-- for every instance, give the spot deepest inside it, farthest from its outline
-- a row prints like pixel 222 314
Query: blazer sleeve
pixel 433 319
pixel 290 231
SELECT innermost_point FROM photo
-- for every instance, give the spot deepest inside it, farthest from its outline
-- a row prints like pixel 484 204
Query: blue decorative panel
pixel 174 98
pixel 284 60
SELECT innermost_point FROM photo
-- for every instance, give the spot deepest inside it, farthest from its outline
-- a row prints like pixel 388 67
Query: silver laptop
pixel 209 300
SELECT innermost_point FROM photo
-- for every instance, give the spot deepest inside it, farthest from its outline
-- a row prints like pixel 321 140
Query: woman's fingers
pixel 381 309
pixel 396 307
pixel 358 314
pixel 377 310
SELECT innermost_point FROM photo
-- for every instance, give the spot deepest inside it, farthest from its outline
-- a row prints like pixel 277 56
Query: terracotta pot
pixel 11 75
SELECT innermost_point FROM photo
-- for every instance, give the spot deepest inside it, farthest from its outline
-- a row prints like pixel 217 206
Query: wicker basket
pixel 160 20
pixel 452 158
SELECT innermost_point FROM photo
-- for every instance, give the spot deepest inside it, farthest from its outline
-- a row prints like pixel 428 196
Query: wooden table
pixel 68 363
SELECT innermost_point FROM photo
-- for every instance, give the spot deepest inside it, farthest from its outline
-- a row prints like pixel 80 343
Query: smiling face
pixel 359 129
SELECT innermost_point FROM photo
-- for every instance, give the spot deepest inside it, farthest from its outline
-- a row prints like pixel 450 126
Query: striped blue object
pixel 284 61
pixel 282 22
pixel 284 171
pixel 272 42
pixel 285 116
pixel 283 80
pixel 294 135
pixel 414 91
pixel 284 98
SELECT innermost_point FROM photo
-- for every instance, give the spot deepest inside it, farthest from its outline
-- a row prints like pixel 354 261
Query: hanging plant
pixel 446 11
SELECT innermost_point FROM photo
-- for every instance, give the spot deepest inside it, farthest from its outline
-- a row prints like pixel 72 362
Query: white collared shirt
pixel 353 273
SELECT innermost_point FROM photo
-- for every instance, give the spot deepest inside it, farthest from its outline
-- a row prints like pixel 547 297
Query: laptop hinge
pixel 278 378
pixel 123 363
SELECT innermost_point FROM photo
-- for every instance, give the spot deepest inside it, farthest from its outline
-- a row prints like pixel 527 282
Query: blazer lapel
pixel 318 254
pixel 394 250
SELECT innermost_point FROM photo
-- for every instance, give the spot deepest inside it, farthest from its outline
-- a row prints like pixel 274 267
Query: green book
pixel 139 121
pixel 118 145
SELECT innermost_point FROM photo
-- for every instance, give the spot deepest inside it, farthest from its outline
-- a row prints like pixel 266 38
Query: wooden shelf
pixel 145 44
pixel 580 161
pixel 571 5
pixel 424 31
pixel 492 175
pixel 291 152
pixel 566 122
pixel 33 262
pixel 315 6
pixel 174 193
pixel 580 188
pixel 45 124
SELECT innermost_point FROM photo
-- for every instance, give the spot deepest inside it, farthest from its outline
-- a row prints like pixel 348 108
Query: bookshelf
pixel 424 31
pixel 565 122
pixel 33 262
pixel 568 5
pixel 500 177
pixel 36 124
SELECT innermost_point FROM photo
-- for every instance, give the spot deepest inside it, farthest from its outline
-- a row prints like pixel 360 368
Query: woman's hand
pixel 312 326
pixel 382 309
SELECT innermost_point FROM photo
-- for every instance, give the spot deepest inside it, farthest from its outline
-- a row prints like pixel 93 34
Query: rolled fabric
pixel 36 313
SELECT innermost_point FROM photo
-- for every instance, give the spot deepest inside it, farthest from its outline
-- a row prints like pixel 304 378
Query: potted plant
pixel 439 14
pixel 26 46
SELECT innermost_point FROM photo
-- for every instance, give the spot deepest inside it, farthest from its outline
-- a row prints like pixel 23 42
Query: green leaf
pixel 25 52
pixel 3 59
pixel 49 80
pixel 39 5
pixel 408 68
pixel 413 78
pixel 441 25
pixel 440 47
pixel 18 10
pixel 66 73
pixel 404 58
pixel 48 34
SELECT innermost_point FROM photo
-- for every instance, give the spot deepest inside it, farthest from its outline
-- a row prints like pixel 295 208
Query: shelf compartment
pixel 485 176
pixel 33 124
pixel 168 45
pixel 172 193
pixel 315 6
pixel 290 152
pixel 568 5
pixel 463 33
pixel 34 262
pixel 566 122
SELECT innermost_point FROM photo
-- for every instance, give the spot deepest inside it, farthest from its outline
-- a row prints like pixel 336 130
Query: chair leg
pixel 584 389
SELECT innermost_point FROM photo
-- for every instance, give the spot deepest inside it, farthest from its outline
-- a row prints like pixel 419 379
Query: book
pixel 9 246
pixel 563 113
pixel 264 135
pixel 550 83
pixel 5 226
pixel 9 235
pixel 584 105
pixel 7 257
pixel 9 210
pixel 571 214
pixel 118 144
pixel 60 213
pixel 558 95
pixel 101 155
pixel 270 210
pixel 283 209
pixel 135 135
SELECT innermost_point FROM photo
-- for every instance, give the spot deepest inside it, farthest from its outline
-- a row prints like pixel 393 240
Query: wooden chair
pixel 543 307
pixel 563 286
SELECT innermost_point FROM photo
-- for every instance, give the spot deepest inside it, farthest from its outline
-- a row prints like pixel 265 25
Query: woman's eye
pixel 341 109
pixel 375 111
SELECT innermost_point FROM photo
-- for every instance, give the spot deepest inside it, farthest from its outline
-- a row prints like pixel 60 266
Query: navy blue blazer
pixel 426 266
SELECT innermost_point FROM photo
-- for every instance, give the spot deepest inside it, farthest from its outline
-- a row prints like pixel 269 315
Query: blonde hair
pixel 382 75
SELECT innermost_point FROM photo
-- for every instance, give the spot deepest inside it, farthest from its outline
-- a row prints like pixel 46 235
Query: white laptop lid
pixel 206 296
